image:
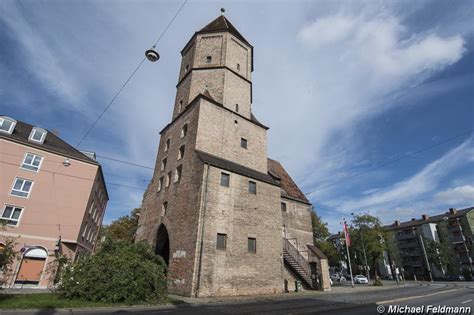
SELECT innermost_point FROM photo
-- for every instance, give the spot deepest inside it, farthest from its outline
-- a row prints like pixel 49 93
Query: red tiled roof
pixel 288 186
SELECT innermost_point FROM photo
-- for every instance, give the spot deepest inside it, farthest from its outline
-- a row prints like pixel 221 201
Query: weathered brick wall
pixel 237 91
pixel 239 214
pixel 297 222
pixel 212 45
pixel 239 53
pixel 183 197
pixel 219 135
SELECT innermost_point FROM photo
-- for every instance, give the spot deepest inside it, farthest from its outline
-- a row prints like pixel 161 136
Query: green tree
pixel 368 240
pixel 438 254
pixel 320 235
pixel 118 272
pixel 320 228
pixel 7 255
pixel 124 228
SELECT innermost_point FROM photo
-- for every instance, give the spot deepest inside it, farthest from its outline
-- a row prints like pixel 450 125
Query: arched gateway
pixel 162 246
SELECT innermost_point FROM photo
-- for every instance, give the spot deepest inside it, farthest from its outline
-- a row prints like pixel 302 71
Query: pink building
pixel 52 199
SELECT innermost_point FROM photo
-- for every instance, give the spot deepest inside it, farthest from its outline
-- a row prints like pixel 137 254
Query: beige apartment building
pixel 52 200
pixel 226 219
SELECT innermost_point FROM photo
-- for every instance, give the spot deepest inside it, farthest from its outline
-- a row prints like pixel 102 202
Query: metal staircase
pixel 297 263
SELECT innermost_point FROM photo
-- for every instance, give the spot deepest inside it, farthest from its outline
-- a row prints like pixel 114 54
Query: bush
pixel 378 283
pixel 119 272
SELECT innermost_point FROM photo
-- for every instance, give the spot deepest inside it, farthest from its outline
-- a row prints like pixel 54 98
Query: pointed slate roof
pixel 222 24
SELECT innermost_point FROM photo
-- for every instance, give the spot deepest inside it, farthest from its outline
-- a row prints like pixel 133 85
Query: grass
pixel 46 301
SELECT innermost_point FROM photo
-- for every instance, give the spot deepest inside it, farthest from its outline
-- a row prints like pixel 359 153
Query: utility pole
pixel 366 267
pixel 426 257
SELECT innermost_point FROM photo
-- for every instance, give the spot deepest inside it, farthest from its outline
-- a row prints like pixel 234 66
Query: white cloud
pixel 408 191
pixel 344 71
pixel 462 195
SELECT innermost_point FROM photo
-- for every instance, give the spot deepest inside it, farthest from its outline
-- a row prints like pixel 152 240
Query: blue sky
pixel 344 86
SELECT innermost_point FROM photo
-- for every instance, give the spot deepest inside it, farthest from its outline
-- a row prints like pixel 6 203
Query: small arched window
pixel 184 131
pixel 167 144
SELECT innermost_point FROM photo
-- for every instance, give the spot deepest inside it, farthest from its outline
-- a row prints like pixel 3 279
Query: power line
pixel 391 162
pixel 127 80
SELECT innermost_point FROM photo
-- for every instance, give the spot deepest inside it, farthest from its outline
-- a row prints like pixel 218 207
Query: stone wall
pixel 239 214
pixel 220 132
pixel 183 203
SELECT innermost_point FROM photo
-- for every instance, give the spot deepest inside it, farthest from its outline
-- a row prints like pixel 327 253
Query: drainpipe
pixel 201 241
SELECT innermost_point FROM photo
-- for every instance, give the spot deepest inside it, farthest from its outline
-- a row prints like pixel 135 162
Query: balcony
pixel 404 236
pixel 457 239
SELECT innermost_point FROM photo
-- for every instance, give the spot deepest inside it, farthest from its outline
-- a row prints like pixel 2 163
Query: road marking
pixel 415 297
pixel 466 301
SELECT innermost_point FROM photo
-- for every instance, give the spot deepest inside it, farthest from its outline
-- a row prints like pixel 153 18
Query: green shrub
pixel 378 283
pixel 118 272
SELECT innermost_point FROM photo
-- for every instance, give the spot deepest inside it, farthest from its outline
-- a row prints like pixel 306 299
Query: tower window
pixel 252 245
pixel 163 164
pixel 164 207
pixel 237 108
pixel 168 179
pixel 177 173
pixel 181 152
pixel 252 187
pixel 208 59
pixel 180 109
pixel 225 179
pixel 167 144
pixel 221 241
pixel 186 69
pixel 243 143
pixel 238 67
pixel 184 131
pixel 283 206
pixel 236 122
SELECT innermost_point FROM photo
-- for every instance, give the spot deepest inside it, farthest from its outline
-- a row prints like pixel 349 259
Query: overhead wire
pixel 129 78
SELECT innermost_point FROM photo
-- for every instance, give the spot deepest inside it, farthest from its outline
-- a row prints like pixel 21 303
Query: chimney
pixel 425 217
pixel 452 211
pixel 397 223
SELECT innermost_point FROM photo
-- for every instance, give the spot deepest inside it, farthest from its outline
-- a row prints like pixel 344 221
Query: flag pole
pixel 347 249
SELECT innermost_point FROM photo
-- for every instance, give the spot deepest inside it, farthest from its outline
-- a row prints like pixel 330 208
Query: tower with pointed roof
pixel 226 219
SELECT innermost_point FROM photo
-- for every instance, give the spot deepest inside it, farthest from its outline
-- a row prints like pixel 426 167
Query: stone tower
pixel 213 209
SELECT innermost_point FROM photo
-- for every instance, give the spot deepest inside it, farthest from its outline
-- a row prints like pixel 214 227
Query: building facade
pixel 226 219
pixel 453 228
pixel 53 199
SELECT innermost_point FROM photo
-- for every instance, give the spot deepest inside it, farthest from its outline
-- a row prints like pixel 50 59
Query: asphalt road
pixel 326 304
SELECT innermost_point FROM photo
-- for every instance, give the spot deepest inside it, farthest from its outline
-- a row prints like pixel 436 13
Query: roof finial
pixel 222 11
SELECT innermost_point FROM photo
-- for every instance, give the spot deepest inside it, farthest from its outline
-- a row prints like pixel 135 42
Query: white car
pixel 360 279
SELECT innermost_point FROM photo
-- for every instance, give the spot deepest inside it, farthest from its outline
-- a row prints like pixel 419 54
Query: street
pixel 362 300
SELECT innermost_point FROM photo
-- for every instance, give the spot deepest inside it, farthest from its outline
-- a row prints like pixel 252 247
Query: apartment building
pixel 52 198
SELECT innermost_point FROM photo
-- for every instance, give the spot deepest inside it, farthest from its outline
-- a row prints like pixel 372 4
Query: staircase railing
pixel 297 256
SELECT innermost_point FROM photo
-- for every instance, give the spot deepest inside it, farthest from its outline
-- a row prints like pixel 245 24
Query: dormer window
pixel 7 124
pixel 37 135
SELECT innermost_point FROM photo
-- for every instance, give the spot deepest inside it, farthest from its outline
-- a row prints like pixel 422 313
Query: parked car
pixel 360 279
pixel 336 278
pixel 455 278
